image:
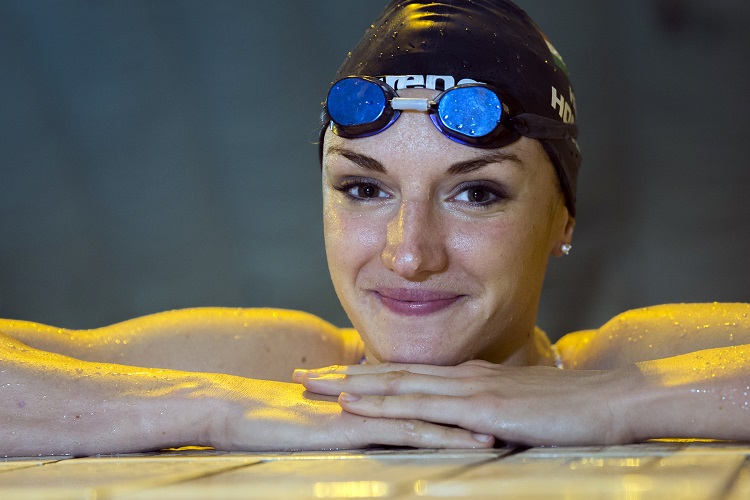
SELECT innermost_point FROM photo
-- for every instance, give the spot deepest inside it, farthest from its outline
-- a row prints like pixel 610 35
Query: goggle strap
pixel 540 127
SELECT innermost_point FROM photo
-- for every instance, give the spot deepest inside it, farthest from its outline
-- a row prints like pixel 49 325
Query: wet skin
pixel 437 250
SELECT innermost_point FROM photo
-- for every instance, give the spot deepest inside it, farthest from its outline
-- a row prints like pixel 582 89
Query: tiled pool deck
pixel 658 470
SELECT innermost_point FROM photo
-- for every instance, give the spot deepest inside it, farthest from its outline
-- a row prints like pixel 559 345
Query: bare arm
pixel 657 332
pixel 699 388
pixel 259 343
pixel 53 404
pixel 703 394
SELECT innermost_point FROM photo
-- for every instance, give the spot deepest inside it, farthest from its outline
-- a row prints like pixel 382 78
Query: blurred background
pixel 159 154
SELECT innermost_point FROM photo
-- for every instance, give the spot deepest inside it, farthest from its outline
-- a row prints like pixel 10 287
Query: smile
pixel 408 302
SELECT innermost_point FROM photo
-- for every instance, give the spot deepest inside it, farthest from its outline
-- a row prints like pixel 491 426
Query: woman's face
pixel 437 250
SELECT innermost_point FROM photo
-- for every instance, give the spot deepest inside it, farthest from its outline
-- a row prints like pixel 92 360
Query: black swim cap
pixel 423 43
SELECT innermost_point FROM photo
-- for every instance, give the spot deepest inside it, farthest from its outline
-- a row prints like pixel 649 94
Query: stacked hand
pixel 265 415
pixel 529 405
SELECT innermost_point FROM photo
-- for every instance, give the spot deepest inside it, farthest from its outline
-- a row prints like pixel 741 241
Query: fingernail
pixel 482 438
pixel 349 398
pixel 301 373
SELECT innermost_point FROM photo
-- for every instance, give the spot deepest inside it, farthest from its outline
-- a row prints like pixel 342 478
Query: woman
pixel 438 229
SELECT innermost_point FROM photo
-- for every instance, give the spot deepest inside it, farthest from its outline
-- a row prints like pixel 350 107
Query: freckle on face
pixel 496 262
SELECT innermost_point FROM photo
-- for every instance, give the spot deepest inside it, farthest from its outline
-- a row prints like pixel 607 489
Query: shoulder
pixel 280 326
pixel 657 332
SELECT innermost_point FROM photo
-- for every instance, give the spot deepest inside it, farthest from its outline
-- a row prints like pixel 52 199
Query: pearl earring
pixel 565 248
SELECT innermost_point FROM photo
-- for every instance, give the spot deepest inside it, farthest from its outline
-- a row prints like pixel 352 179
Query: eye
pixel 479 194
pixel 365 191
pixel 361 190
pixel 476 195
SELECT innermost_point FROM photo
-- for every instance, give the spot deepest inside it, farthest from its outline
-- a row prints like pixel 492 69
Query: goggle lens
pixel 471 111
pixel 353 102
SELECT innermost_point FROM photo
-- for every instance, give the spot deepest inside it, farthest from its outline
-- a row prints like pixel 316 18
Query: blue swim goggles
pixel 473 114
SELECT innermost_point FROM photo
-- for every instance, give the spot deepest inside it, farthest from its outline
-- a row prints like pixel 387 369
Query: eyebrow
pixel 364 161
pixel 462 167
pixel 467 166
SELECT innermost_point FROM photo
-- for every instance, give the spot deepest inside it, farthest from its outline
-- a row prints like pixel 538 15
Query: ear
pixel 564 235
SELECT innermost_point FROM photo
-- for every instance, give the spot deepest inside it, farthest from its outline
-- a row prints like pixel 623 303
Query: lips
pixel 416 302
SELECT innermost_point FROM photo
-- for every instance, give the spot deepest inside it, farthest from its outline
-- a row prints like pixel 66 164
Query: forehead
pixel 413 143
pixel 426 93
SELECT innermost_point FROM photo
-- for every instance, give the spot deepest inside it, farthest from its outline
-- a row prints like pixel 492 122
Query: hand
pixel 265 415
pixel 528 405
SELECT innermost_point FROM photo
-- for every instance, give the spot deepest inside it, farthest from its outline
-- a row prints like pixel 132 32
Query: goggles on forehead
pixel 473 114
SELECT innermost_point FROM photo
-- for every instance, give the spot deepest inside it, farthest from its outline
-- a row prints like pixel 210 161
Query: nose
pixel 414 246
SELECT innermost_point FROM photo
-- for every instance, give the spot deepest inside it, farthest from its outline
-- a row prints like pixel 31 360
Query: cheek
pixel 351 240
pixel 482 248
pixel 497 251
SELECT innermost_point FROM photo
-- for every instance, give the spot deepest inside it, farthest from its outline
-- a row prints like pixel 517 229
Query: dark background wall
pixel 158 155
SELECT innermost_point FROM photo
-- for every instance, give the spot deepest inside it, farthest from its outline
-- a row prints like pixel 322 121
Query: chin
pixel 425 340
pixel 416 353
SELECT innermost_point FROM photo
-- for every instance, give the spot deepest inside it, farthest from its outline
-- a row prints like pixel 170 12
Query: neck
pixel 536 351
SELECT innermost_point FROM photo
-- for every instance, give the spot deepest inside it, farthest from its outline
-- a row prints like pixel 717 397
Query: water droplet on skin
pixel 79 370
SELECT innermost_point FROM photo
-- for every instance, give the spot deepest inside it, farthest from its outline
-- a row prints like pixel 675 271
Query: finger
pixel 465 369
pixel 419 434
pixel 370 369
pixel 389 383
pixel 450 410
